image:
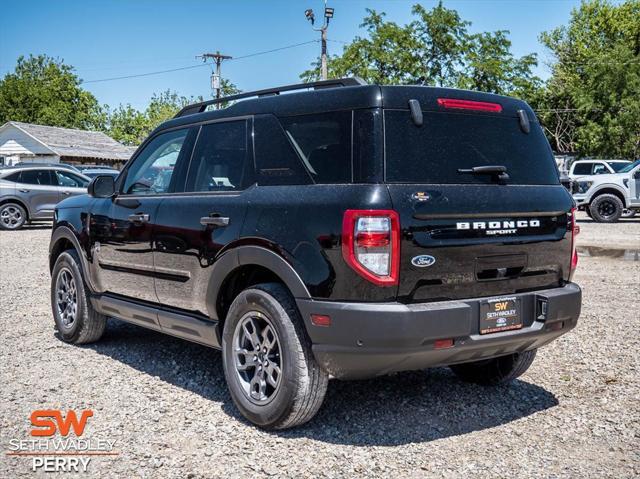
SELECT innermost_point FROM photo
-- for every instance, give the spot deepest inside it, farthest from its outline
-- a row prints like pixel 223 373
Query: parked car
pixel 606 197
pixel 93 172
pixel 30 192
pixel 348 231
pixel 596 167
pixel 37 164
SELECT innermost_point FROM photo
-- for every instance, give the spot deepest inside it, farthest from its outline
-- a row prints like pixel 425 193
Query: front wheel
pixel 492 372
pixel 75 319
pixel 606 208
pixel 272 376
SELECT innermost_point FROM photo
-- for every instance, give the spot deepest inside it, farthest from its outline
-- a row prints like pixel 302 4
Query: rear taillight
pixel 371 244
pixel 573 226
pixel 469 105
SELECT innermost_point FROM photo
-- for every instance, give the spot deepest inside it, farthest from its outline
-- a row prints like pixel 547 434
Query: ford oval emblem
pixel 423 261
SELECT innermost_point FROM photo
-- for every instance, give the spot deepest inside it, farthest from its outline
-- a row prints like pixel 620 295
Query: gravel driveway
pixel 575 413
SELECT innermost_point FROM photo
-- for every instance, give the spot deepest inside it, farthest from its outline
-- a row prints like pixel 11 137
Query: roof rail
pixel 340 82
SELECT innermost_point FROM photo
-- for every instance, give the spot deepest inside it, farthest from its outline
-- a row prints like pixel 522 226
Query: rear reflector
pixel 469 105
pixel 443 343
pixel 320 320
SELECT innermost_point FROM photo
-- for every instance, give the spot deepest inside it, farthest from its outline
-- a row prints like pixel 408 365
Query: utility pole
pixel 328 15
pixel 216 78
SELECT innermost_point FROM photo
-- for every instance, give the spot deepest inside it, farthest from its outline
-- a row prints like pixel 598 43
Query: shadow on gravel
pixel 404 408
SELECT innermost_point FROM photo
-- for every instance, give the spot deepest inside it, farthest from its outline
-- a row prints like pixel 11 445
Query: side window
pixel 13 177
pixel 220 160
pixel 153 168
pixel 70 180
pixel 323 143
pixel 37 177
pixel 276 161
pixel 582 169
pixel 599 169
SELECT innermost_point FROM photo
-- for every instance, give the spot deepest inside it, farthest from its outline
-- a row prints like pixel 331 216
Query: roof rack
pixel 318 85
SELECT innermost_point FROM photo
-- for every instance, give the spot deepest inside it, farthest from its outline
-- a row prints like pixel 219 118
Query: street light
pixel 328 15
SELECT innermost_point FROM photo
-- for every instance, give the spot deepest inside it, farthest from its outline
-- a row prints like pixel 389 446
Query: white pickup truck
pixel 605 197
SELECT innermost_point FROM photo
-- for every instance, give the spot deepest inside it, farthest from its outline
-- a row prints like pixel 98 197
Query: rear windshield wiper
pixel 498 171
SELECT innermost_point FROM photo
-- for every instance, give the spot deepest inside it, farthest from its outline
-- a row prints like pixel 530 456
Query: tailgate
pixel 464 241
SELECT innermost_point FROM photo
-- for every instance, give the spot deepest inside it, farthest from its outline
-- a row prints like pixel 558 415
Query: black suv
pixel 341 230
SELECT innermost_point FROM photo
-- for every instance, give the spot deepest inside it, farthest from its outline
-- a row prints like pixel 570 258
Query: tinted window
pixel 71 180
pixel 220 158
pixel 12 177
pixel 446 142
pixel 323 143
pixel 153 168
pixel 582 169
pixel 37 177
pixel 276 160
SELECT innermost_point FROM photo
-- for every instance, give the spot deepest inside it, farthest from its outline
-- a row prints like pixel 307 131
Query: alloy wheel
pixel 606 208
pixel 257 357
pixel 11 217
pixel 66 298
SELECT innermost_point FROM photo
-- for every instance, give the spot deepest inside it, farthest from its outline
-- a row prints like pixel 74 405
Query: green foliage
pixel 130 126
pixel 434 49
pixel 45 91
pixel 592 100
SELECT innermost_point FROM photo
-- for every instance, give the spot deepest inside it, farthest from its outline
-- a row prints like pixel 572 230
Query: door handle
pixel 139 218
pixel 24 191
pixel 214 221
pixel 66 192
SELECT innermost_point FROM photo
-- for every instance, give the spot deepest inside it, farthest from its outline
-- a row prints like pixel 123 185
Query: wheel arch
pixel 62 239
pixel 611 190
pixel 244 266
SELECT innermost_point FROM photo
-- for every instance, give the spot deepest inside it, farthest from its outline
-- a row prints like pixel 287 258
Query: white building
pixel 25 142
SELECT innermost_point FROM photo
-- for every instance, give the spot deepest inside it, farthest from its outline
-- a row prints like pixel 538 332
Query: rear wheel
pixel 492 372
pixel 75 319
pixel 270 370
pixel 12 216
pixel 606 208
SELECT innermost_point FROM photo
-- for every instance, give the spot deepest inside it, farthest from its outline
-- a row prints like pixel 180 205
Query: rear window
pixel 433 152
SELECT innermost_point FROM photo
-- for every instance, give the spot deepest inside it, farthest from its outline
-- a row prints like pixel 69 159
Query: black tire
pixel 588 212
pixel 606 208
pixel 492 372
pixel 12 216
pixel 87 325
pixel 302 385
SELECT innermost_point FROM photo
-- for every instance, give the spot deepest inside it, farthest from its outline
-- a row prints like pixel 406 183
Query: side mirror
pixel 102 186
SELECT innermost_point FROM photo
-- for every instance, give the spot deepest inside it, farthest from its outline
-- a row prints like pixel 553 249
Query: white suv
pixel 606 196
pixel 596 167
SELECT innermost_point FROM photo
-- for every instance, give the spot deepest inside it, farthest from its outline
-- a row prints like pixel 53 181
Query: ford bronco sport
pixel 342 230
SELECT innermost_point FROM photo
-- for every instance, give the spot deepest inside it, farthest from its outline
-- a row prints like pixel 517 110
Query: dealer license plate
pixel 500 314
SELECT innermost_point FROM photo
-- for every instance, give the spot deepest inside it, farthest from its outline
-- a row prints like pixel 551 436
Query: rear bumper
pixel 372 339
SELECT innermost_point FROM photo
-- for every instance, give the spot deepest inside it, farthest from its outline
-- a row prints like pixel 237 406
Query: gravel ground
pixel 575 413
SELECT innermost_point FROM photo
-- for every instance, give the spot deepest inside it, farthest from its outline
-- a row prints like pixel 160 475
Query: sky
pixel 107 39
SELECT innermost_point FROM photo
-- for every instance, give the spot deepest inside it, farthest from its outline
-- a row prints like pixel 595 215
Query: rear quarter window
pixel 433 153
pixel 323 143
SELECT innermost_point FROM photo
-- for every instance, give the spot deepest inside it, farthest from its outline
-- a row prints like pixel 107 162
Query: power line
pixel 159 72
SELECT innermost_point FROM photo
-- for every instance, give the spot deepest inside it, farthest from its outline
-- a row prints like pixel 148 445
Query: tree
pixel 130 126
pixel 434 49
pixel 46 91
pixel 592 100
